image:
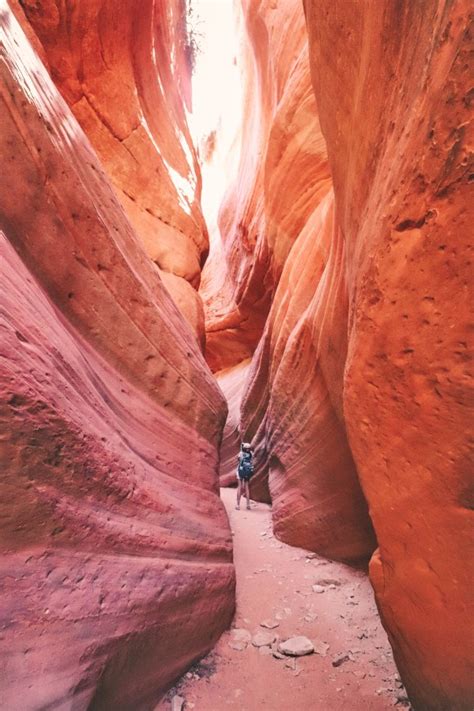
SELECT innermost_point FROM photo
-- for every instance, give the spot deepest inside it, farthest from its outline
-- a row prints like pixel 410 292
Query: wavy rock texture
pixel 116 560
pixel 292 407
pixel 277 248
pixel 232 383
pixel 394 96
pixel 281 145
pixel 124 73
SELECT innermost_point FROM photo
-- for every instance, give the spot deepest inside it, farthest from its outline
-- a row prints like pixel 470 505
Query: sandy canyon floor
pixel 352 668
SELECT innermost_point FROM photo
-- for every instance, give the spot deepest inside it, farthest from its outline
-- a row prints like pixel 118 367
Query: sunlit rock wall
pixel 124 71
pixel 116 565
pixel 283 276
pixel 393 85
pixel 260 218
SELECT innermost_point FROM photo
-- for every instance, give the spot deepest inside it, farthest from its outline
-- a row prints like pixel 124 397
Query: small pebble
pixel 177 703
pixel 296 646
pixel 340 660
pixel 269 624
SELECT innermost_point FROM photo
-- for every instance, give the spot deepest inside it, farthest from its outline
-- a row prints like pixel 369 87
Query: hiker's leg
pixel 247 493
pixel 239 492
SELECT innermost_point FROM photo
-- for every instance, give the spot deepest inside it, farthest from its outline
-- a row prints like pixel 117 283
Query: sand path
pixel 274 582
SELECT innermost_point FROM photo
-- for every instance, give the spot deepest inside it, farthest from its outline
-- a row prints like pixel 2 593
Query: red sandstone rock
pixel 279 245
pixel 292 409
pixel 116 559
pixel 367 331
pixel 232 383
pixel 124 73
pixel 260 219
pixel 393 87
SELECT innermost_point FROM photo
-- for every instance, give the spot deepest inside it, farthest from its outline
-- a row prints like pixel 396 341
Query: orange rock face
pixel 260 218
pixel 292 408
pixel 336 318
pixel 116 560
pixel 124 74
pixel 282 249
pixel 362 368
pixel 393 91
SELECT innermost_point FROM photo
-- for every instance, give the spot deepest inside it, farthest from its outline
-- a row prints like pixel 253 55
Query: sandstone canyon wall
pixel 349 294
pixel 231 381
pixel 282 250
pixel 116 563
pixel 393 86
pixel 124 71
pixel 292 405
pixel 362 366
pixel 280 144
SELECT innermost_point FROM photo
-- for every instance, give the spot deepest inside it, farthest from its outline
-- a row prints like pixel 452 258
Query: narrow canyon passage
pixel 236 221
pixel 352 666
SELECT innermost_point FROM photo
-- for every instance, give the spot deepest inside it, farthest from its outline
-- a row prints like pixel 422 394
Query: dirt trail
pixel 274 581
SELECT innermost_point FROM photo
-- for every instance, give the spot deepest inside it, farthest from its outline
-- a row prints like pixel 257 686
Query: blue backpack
pixel 245 465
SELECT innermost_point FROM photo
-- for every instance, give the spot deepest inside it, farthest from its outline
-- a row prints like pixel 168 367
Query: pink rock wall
pixel 116 566
pixel 393 86
pixel 116 555
pixel 232 383
pixel 260 218
pixel 125 74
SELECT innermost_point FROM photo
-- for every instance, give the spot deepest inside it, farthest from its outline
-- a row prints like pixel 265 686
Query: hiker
pixel 244 472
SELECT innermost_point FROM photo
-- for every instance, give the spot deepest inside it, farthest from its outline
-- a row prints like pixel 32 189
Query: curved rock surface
pixel 367 333
pixel 349 293
pixel 281 145
pixel 116 560
pixel 292 408
pixel 279 251
pixel 125 74
pixel 392 82
pixel 232 383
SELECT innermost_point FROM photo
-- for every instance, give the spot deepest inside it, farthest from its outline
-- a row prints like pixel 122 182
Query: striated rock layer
pixel 231 382
pixel 281 145
pixel 281 249
pixel 292 407
pixel 392 82
pixel 362 368
pixel 125 74
pixel 116 564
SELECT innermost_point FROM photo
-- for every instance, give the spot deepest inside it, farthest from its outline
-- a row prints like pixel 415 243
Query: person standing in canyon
pixel 244 472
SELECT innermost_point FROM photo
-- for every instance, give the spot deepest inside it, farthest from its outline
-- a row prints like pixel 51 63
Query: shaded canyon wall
pixel 116 562
pixel 231 383
pixel 280 141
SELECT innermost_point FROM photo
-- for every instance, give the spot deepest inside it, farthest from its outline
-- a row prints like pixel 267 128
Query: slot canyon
pixel 297 276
